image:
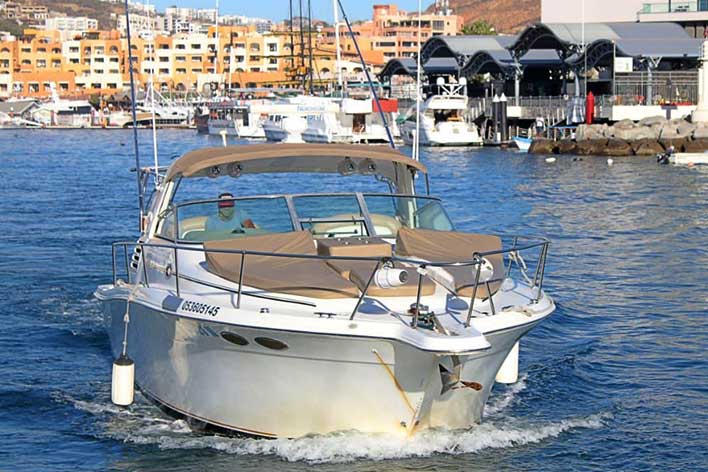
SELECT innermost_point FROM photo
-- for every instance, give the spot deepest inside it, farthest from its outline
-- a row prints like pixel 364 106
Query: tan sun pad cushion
pixel 451 246
pixel 357 247
pixel 303 277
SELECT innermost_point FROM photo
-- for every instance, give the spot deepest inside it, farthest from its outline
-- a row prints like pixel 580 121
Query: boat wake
pixel 499 403
pixel 143 423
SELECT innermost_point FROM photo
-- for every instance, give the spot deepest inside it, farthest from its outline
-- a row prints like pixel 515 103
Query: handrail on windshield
pixel 420 266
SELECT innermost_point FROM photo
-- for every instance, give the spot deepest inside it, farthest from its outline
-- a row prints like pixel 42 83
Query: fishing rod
pixel 368 75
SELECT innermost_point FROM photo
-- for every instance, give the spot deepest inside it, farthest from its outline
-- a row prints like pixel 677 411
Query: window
pixel 177 59
pixel 196 58
pixel 204 221
pixel 273 60
pixel 166 59
pixel 181 71
pixel 181 46
pixel 112 86
pixel 98 59
pixel 273 47
pixel 164 71
pixel 74 50
pixel 96 86
pixel 196 46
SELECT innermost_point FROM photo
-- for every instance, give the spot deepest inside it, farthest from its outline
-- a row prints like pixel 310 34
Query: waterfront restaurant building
pixel 622 63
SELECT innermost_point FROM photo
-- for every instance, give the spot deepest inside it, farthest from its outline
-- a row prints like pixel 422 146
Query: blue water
pixel 616 379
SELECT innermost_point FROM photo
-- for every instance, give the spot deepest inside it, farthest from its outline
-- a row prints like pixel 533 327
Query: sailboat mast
pixel 309 43
pixel 302 49
pixel 340 80
pixel 292 38
pixel 216 37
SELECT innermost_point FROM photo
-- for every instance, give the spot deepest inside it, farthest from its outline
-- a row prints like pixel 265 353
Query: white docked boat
pixel 689 158
pixel 63 112
pixel 356 121
pixel 287 128
pixel 240 118
pixel 443 119
pixel 287 315
pixel 523 143
pixel 289 121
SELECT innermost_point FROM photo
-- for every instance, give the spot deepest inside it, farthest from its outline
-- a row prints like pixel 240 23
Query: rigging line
pixel 134 113
pixel 368 76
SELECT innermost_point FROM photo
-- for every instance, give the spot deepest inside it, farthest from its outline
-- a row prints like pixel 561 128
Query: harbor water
pixel 616 379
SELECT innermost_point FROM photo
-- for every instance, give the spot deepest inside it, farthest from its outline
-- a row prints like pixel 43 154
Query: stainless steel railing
pixel 515 259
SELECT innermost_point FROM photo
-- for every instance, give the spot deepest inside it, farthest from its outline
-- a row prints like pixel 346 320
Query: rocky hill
pixel 507 16
pixel 90 8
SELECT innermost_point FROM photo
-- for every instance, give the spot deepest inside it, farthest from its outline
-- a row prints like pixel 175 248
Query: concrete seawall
pixel 647 137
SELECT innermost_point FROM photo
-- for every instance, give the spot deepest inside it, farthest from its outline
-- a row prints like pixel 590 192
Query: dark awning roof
pixel 668 40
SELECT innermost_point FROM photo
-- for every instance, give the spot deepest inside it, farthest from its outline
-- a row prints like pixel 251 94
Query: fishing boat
pixel 443 119
pixel 283 315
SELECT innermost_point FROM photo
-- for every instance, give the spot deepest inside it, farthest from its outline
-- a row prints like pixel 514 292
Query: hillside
pixel 90 8
pixel 507 16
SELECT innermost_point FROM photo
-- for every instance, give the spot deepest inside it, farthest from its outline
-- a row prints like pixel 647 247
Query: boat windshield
pixel 324 215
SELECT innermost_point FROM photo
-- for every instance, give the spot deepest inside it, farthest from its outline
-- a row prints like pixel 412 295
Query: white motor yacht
pixel 286 315
pixel 62 112
pixel 243 119
pixel 356 121
pixel 288 123
pixel 443 119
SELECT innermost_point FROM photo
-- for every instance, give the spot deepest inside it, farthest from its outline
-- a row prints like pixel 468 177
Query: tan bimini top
pixel 345 159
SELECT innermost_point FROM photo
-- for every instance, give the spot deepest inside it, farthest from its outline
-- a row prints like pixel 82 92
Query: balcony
pixel 674 11
pixel 675 7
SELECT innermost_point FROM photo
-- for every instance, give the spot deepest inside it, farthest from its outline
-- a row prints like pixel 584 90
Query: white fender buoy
pixel 223 136
pixel 610 162
pixel 509 371
pixel 123 381
pixel 550 160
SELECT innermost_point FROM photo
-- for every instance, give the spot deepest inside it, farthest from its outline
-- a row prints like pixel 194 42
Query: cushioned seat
pixel 304 277
pixel 451 246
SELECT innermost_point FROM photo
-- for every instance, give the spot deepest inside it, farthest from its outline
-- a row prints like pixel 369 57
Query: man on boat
pixel 228 217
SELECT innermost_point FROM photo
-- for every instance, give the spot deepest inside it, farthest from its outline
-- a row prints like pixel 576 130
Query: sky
pixel 278 9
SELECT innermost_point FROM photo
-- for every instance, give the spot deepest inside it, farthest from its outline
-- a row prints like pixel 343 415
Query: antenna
pixel 135 118
pixel 368 76
pixel 416 142
pixel 151 89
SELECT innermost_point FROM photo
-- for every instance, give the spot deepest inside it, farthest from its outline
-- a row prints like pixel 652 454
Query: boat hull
pixel 319 384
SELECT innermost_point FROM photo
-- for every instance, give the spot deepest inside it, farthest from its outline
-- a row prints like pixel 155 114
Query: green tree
pixel 479 28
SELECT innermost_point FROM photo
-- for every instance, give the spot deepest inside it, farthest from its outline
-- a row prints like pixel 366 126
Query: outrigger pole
pixel 368 76
pixel 135 118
